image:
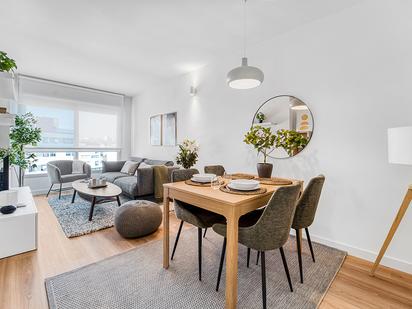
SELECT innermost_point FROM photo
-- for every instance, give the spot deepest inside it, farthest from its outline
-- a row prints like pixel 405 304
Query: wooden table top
pixel 219 196
pixel 109 191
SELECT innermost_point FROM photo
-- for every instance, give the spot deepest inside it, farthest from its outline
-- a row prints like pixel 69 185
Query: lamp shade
pixel 245 76
pixel 400 145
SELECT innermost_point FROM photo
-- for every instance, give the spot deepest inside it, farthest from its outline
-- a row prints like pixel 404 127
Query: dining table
pixel 231 206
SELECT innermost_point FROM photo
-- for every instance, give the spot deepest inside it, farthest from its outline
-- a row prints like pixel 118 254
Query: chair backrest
pixel 272 229
pixel 65 166
pixel 308 203
pixel 183 174
pixel 218 170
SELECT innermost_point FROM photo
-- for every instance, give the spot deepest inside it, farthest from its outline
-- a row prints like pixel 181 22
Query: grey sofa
pixel 137 185
pixel 60 172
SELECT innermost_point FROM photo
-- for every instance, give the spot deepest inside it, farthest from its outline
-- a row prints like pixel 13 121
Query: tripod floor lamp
pixel 399 152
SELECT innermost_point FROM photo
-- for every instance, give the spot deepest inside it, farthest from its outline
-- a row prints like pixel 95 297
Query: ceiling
pixel 124 46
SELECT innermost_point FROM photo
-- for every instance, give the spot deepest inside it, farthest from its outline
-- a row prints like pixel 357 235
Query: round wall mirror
pixel 290 120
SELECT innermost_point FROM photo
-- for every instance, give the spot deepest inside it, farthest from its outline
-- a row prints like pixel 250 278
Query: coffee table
pixel 98 195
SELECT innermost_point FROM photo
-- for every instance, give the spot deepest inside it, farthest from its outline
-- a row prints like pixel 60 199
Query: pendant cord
pixel 244 28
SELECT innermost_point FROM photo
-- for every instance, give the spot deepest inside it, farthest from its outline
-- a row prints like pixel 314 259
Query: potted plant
pixel 260 117
pixel 291 141
pixel 24 133
pixel 7 67
pixel 263 140
pixel 188 153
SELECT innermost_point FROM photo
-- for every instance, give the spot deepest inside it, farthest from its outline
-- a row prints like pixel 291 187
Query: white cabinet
pixel 18 231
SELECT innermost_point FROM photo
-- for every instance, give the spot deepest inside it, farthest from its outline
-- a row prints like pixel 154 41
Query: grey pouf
pixel 137 218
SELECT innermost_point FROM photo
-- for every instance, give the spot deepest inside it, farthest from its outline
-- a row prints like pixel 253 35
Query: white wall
pixel 354 71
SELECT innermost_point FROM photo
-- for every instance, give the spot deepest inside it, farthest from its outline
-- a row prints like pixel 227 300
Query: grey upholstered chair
pixel 305 214
pixel 60 172
pixel 196 216
pixel 219 170
pixel 266 229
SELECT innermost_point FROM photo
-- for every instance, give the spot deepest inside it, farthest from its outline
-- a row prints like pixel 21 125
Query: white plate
pixel 203 177
pixel 244 184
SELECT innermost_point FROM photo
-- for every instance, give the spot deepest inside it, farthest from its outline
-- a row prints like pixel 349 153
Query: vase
pixel 264 170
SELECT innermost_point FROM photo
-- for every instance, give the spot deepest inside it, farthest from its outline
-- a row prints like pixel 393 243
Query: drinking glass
pixel 215 183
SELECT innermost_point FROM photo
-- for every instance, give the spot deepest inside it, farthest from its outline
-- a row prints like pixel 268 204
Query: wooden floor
pixel 22 276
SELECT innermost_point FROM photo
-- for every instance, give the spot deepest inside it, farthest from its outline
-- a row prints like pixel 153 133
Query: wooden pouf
pixel 137 218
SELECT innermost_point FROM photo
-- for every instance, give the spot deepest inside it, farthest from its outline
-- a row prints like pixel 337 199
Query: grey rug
pixel 136 279
pixel 74 218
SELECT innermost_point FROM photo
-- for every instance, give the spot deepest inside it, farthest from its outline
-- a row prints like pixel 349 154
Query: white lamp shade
pixel 400 145
pixel 245 76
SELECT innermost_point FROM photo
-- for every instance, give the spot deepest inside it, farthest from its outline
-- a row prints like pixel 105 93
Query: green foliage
pixel 188 153
pixel 24 133
pixel 293 142
pixel 260 116
pixel 262 140
pixel 4 152
pixel 6 64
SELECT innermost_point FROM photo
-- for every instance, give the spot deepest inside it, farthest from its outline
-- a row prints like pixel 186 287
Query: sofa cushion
pixel 112 176
pixel 73 177
pixel 128 185
pixel 129 167
pixel 137 159
pixel 158 162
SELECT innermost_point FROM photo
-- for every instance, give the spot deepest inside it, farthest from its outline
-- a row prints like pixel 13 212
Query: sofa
pixel 137 185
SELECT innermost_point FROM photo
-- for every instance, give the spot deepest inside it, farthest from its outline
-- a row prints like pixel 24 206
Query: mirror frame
pixel 291 96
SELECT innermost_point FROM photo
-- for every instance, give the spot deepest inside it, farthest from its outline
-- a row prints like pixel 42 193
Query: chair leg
pixel 257 258
pixel 204 234
pixel 199 242
pixel 47 195
pixel 299 248
pixel 248 257
pixel 177 239
pixel 222 258
pixel 310 244
pixel 263 265
pixel 60 191
pixel 285 265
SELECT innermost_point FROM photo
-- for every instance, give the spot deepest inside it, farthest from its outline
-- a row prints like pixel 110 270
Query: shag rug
pixel 136 279
pixel 74 218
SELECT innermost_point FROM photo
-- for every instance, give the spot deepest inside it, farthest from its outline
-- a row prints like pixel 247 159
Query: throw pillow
pixel 77 167
pixel 129 167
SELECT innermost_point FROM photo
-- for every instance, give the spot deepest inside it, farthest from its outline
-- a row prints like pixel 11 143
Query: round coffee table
pixel 98 195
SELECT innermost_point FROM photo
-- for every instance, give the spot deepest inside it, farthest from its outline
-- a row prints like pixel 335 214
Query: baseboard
pixel 365 254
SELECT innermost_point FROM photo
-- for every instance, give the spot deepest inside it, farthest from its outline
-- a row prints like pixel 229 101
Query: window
pixel 45 157
pixel 76 122
pixel 95 158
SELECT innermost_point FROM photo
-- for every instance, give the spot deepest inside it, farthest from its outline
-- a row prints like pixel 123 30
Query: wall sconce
pixel 192 91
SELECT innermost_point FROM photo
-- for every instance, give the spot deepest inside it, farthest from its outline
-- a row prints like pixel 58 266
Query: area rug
pixel 136 279
pixel 74 218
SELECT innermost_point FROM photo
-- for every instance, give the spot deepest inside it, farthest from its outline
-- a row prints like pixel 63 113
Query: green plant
pixel 24 133
pixel 4 152
pixel 6 64
pixel 260 116
pixel 293 142
pixel 262 140
pixel 188 153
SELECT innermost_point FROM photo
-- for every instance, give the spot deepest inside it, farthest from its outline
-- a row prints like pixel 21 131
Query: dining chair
pixel 196 216
pixel 218 170
pixel 265 230
pixel 305 214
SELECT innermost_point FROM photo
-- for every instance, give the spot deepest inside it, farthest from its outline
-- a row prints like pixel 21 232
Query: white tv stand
pixel 19 230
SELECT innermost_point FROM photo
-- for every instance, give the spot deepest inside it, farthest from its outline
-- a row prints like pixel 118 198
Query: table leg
pixel 92 208
pixel 401 212
pixel 166 202
pixel 74 196
pixel 232 261
pixel 118 200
